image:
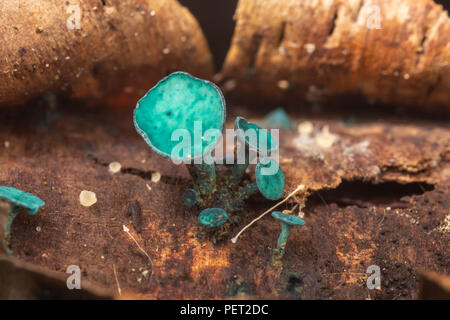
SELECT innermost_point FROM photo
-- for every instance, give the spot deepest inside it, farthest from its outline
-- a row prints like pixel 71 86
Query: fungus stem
pixel 247 191
pixel 300 187
pixel 204 176
pixel 278 253
pixel 238 170
pixel 285 230
pixel 13 212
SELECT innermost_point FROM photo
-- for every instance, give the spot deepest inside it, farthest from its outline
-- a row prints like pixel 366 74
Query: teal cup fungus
pixel 287 221
pixel 182 118
pixel 213 217
pixel 183 107
pixel 253 136
pixel 18 201
pixel 253 140
pixel 181 104
pixel 269 181
pixel 277 119
pixel 190 197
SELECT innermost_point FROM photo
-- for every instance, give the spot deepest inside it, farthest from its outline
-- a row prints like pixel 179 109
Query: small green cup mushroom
pixel 269 183
pixel 18 200
pixel 252 137
pixel 277 119
pixel 184 107
pixel 262 140
pixel 213 217
pixel 190 197
pixel 287 222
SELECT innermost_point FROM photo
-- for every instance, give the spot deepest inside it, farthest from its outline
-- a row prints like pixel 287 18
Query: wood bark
pixel 286 50
pixel 376 193
pixel 92 48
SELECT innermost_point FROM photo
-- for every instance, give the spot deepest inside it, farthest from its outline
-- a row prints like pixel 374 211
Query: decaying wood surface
pixel 376 193
pixel 119 46
pixel 21 280
pixel 286 50
pixel 434 286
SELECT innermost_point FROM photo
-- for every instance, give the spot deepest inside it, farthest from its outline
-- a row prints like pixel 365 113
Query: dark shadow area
pixel 351 108
pixel 216 20
pixel 365 195
pixel 444 3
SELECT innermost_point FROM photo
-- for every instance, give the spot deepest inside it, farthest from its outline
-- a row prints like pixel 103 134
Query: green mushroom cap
pixel 213 217
pixel 190 197
pixel 277 119
pixel 181 101
pixel 21 199
pixel 269 179
pixel 288 218
pixel 254 136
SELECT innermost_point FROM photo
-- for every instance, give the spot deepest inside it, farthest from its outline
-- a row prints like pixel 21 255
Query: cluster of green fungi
pixel 181 101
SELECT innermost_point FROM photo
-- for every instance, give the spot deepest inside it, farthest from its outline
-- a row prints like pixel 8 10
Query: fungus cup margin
pixel 18 200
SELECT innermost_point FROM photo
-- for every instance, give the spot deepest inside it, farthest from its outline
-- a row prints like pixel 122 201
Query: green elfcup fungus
pixel 213 217
pixel 277 119
pixel 190 197
pixel 287 222
pixel 269 181
pixel 18 200
pixel 182 118
pixel 183 107
pixel 252 137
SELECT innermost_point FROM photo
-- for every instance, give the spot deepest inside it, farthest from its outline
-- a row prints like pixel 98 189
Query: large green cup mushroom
pixel 18 201
pixel 182 106
pixel 287 222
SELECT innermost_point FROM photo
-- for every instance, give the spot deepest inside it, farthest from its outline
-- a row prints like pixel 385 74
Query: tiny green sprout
pixel 18 201
pixel 287 222
pixel 190 197
pixel 269 183
pixel 213 217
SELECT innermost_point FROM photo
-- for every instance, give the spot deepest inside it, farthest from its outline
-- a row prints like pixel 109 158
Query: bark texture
pixel 285 50
pixel 120 46
pixel 376 193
